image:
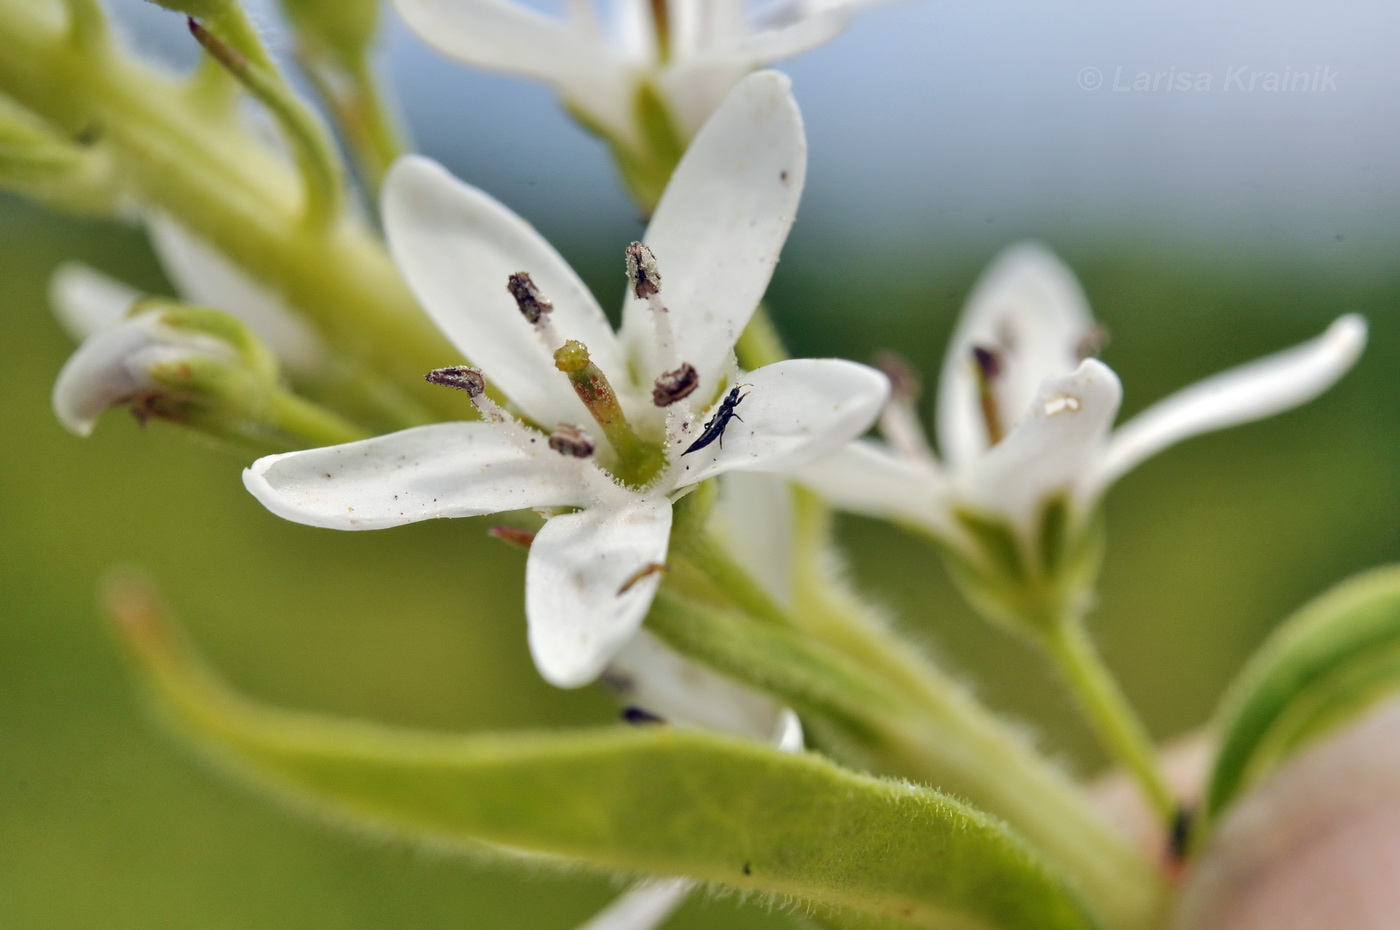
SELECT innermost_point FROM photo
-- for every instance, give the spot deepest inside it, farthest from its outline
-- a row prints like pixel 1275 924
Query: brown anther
pixel 1091 343
pixel 568 439
pixel 642 271
pixel 905 383
pixel 527 296
pixel 675 385
pixel 460 377
pixel 989 363
pixel 513 536
pixel 647 570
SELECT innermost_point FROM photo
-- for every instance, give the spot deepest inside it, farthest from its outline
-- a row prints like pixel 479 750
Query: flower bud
pixel 167 361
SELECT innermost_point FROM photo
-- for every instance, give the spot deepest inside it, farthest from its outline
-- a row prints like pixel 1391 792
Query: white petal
pixel 441 470
pixel 1028 307
pixel 203 276
pixel 1250 392
pixel 793 413
pixel 502 35
pixel 86 301
pixel 653 677
pixel 644 907
pixel 867 478
pixel 754 517
pixel 457 246
pixel 112 366
pixel 1051 450
pixel 720 226
pixel 578 563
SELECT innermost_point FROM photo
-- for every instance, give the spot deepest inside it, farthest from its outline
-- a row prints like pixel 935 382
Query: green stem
pixel 712 559
pixel 1108 712
pixel 217 181
pixel 373 133
pixel 310 423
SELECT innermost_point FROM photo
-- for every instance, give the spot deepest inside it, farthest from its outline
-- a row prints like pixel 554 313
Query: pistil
pixel 637 461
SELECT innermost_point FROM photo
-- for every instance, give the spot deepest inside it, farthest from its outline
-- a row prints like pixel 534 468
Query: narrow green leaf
pixel 1332 660
pixel 653 800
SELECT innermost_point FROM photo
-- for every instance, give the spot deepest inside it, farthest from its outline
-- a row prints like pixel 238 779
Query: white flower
pixel 689 53
pixel 613 466
pixel 1023 425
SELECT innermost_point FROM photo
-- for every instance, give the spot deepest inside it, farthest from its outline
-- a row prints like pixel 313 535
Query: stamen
pixel 1092 343
pixel 461 377
pixel 644 275
pixel 534 307
pixel 642 271
pixel 988 368
pixel 899 421
pixel 675 385
pixel 661 20
pixel 568 439
pixel 646 571
pixel 513 536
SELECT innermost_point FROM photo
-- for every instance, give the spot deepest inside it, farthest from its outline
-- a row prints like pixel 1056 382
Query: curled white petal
pixel 578 613
pixel 720 225
pixel 1252 391
pixel 754 517
pixel 649 675
pixel 1052 449
pixel 202 275
pixel 642 907
pixel 440 470
pixel 113 366
pixel 793 413
pixel 86 301
pixel 457 246
pixel 867 478
pixel 1027 307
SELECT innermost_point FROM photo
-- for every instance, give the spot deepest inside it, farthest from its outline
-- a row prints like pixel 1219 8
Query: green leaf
pixel 652 800
pixel 1332 660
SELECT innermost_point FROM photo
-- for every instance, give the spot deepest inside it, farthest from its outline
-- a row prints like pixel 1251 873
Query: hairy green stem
pixel 209 174
pixel 1108 712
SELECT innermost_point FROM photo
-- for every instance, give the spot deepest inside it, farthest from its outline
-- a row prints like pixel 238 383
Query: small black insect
pixel 714 428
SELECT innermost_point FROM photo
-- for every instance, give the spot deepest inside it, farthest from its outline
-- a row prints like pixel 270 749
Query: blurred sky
pixel 960 126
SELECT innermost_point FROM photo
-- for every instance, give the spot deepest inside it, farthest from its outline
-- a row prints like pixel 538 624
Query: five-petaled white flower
pixel 685 54
pixel 1023 418
pixel 610 424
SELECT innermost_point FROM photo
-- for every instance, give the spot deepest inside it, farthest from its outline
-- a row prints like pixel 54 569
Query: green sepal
pixel 1333 659
pixel 654 800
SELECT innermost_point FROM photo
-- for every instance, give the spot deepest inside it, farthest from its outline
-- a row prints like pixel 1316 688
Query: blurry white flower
pixel 165 361
pixel 1023 425
pixel 86 301
pixel 649 74
pixel 613 427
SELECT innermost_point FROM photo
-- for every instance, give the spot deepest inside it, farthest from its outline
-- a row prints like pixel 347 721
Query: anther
pixel 642 271
pixel 533 306
pixel 899 421
pixel 568 439
pixel 675 385
pixel 988 365
pixel 905 383
pixel 460 377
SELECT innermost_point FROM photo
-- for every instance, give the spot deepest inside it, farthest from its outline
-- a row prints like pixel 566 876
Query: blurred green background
pixel 106 823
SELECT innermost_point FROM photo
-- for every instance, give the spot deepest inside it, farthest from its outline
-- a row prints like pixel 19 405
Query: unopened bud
pixel 166 363
pixel 568 439
pixel 675 385
pixel 461 377
pixel 533 306
pixel 642 271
